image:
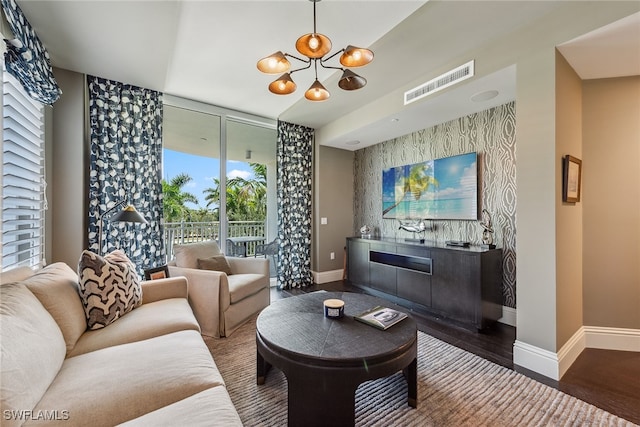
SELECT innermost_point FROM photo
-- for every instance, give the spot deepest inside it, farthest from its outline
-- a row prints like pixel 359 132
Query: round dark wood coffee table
pixel 325 359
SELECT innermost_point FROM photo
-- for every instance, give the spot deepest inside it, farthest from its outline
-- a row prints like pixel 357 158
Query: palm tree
pixel 212 195
pixel 174 199
pixel 246 198
pixel 416 183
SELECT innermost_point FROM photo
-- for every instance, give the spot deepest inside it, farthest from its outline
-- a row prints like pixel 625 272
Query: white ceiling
pixel 207 51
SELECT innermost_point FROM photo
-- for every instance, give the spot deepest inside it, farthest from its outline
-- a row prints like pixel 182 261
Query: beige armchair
pixel 221 302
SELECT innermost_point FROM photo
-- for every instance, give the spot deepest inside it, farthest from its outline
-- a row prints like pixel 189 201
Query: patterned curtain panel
pixel 26 58
pixel 125 164
pixel 294 165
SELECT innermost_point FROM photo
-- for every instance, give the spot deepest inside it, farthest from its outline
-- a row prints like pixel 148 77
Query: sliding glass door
pixel 219 177
pixel 250 171
pixel 191 168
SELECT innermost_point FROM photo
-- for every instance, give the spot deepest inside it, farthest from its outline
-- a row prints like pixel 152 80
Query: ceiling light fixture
pixel 315 47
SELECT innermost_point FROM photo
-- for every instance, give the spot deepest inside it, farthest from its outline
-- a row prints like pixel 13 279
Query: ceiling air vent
pixel 447 79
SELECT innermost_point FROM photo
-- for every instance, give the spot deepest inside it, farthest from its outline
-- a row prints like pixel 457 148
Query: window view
pixel 191 162
pixel 250 192
pixel 239 211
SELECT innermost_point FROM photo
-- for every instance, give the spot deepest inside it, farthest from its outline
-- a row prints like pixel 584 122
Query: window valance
pixel 27 59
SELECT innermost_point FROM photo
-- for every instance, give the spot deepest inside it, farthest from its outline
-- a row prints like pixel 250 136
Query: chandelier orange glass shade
pixel 315 46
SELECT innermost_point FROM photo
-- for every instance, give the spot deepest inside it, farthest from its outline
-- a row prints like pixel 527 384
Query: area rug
pixel 455 388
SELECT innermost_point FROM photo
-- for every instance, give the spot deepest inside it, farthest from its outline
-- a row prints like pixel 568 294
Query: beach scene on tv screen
pixel 444 188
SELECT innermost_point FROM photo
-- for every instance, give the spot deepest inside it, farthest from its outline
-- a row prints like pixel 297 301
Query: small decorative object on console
pixel 365 232
pixel 381 317
pixel 414 226
pixel 487 234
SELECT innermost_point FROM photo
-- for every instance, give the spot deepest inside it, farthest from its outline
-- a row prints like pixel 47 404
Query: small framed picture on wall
pixel 572 177
pixel 161 272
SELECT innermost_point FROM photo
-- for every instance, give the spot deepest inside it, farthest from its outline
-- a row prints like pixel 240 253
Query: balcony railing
pixel 192 232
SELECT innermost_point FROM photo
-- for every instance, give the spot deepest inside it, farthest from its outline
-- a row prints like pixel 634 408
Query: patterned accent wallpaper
pixel 490 133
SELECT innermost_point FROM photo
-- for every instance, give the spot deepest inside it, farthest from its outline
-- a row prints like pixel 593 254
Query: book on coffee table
pixel 381 317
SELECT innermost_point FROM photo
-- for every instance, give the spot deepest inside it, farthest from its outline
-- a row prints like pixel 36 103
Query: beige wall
pixel 333 198
pixel 67 165
pixel 568 215
pixel 611 202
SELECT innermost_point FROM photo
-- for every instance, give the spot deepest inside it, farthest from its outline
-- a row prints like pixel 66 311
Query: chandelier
pixel 315 46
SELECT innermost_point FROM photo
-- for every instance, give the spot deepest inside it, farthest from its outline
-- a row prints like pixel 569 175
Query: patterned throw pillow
pixel 109 287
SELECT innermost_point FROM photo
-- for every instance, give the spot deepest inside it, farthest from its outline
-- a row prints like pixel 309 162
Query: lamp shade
pixel 313 45
pixel 283 86
pixel 128 214
pixel 351 81
pixel 356 56
pixel 274 64
pixel 317 92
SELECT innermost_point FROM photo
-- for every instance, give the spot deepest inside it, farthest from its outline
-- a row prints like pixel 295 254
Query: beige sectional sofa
pixel 149 367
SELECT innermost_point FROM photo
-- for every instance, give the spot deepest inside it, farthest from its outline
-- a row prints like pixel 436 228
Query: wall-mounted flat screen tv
pixel 444 188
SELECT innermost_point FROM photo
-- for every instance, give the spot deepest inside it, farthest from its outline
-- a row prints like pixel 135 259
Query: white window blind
pixel 23 186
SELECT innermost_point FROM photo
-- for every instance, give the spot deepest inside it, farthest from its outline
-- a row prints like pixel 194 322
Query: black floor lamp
pixel 128 214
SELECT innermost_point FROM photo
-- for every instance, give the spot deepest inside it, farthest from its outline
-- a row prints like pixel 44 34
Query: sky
pixel 202 169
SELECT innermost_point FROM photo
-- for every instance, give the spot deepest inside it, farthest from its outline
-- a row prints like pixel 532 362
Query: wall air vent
pixel 447 79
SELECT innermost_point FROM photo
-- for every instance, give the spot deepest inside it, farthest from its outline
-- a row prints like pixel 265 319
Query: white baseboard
pixel 570 351
pixel 508 316
pixel 612 338
pixel 554 365
pixel 536 359
pixel 326 276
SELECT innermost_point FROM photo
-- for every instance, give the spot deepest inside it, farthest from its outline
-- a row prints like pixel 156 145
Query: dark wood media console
pixel 463 285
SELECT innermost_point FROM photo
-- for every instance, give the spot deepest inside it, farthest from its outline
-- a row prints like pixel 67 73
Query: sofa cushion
pixel 186 255
pixel 244 285
pixel 123 382
pixel 33 350
pixel 147 321
pixel 56 286
pixel 212 408
pixel 15 274
pixel 215 263
pixel 109 287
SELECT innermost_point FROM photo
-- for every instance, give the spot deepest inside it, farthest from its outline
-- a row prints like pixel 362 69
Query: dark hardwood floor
pixel 607 379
